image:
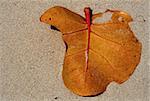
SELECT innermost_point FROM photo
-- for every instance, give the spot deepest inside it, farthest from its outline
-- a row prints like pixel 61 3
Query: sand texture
pixel 32 54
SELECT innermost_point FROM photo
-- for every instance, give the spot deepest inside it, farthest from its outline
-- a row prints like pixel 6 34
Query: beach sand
pixel 32 54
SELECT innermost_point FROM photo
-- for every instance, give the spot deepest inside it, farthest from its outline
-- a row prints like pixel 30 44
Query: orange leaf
pixel 97 54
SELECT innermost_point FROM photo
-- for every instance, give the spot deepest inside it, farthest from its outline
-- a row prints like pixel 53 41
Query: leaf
pixel 97 54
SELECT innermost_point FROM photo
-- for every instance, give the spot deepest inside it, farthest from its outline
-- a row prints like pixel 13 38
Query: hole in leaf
pixel 121 19
pixel 105 18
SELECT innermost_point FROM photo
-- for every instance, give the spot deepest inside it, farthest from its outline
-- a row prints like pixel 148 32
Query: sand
pixel 32 54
